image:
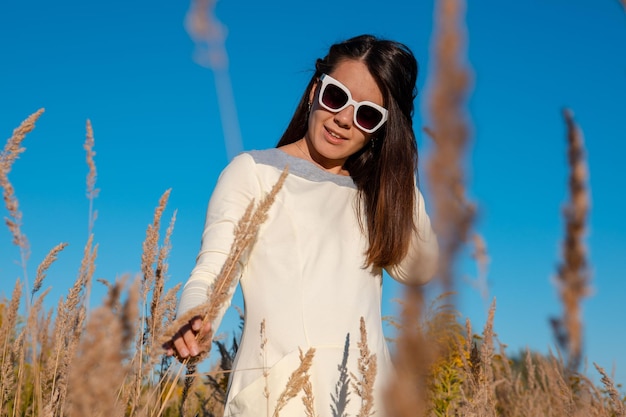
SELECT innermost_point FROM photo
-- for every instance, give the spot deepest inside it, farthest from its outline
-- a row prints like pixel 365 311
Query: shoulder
pixel 255 158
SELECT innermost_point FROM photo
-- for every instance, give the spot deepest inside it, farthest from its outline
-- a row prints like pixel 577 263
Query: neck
pixel 307 152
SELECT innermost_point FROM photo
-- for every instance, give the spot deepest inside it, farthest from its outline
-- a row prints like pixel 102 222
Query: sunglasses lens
pixel 334 97
pixel 368 117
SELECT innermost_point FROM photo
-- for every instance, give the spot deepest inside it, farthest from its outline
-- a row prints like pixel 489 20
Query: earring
pixel 309 108
pixel 373 141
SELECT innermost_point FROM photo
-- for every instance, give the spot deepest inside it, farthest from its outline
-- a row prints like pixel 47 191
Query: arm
pixel 236 187
pixel 420 263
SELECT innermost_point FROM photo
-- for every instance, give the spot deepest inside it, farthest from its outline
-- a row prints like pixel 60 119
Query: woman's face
pixel 333 137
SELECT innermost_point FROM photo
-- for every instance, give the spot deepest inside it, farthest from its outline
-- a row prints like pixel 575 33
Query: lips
pixel 333 137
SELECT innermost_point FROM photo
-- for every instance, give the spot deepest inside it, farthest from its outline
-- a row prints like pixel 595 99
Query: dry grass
pixel 108 362
pixel 364 385
pixel 452 213
pixel 298 379
pixel 10 153
pixel 217 295
pixel 70 361
pixel 573 274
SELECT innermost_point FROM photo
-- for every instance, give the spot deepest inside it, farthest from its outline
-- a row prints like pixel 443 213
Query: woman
pixel 348 209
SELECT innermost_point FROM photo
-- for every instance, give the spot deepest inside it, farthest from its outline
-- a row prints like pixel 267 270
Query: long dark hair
pixel 384 170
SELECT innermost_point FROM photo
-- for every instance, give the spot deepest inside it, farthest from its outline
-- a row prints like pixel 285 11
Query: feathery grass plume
pixel 308 399
pixel 12 150
pixel 44 336
pixel 169 303
pixel 101 361
pixel 151 246
pixel 562 399
pixel 18 356
pixel 244 235
pixel 453 214
pixel 483 401
pixel 92 191
pixel 406 394
pixel 573 274
pixel 153 268
pixel 8 335
pixel 296 381
pixel 617 404
pixel 45 265
pixel 32 346
pixel 156 318
pixel 364 386
pixel 68 328
pixel 481 256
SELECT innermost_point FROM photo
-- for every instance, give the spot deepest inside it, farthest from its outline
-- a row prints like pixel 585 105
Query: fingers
pixel 196 325
pixel 184 341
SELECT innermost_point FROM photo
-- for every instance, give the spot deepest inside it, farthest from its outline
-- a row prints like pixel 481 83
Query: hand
pixel 184 343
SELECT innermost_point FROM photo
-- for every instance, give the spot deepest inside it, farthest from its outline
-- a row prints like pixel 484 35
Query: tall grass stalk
pixel 453 215
pixel 244 235
pixel 9 334
pixel 407 393
pixel 367 365
pixel 92 191
pixel 298 379
pixel 153 268
pixel 12 150
pixel 449 85
pixel 573 274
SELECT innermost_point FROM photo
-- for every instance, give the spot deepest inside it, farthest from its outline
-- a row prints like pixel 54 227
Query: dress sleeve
pixel 235 188
pixel 420 263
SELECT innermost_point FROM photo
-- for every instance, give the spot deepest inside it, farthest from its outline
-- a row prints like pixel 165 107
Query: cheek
pixel 364 138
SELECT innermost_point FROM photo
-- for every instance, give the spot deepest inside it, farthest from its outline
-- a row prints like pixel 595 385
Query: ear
pixel 314 90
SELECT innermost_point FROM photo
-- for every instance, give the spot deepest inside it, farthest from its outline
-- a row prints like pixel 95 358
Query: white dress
pixel 305 277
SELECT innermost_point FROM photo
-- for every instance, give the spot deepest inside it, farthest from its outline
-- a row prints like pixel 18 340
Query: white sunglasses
pixel 335 97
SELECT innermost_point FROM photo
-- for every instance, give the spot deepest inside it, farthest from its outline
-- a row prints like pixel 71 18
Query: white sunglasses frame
pixel 326 80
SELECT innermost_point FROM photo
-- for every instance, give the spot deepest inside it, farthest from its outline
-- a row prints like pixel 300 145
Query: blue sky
pixel 129 68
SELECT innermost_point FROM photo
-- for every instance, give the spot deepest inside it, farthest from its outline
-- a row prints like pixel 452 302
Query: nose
pixel 345 117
